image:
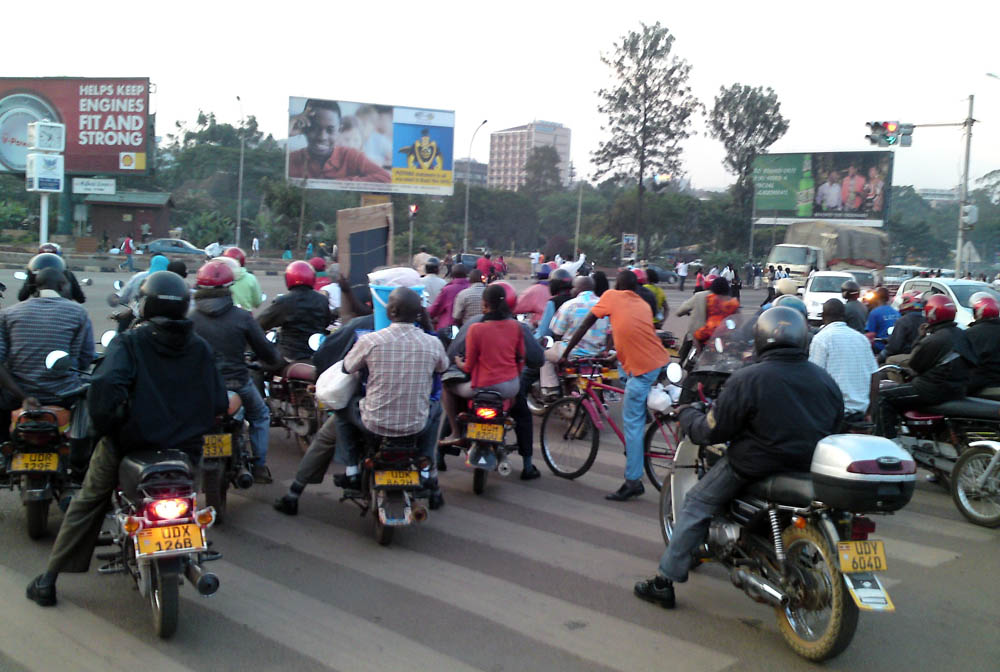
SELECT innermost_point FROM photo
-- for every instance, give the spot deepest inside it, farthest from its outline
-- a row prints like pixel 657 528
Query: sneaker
pixel 436 500
pixel 530 474
pixel 261 474
pixel 347 482
pixel 657 590
pixel 43 596
pixel 628 490
pixel 287 505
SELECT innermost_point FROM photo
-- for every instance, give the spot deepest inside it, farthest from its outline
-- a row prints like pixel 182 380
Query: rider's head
pixel 939 309
pixel 600 282
pixel 403 305
pixel 543 272
pixel 984 306
pixel 495 300
pixel 299 274
pixel 785 286
pixel 50 278
pixel 432 266
pixel 882 296
pixel 475 275
pixel 582 283
pixel 560 281
pixel 834 311
pixel 779 327
pixel 652 277
pixel 163 294
pixel 459 271
pixel 720 286
pixel 912 300
pixel 850 290
pixel 791 301
pixel 510 293
pixel 626 281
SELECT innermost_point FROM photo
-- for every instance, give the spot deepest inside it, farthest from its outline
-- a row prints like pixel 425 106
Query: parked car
pixel 669 277
pixel 170 247
pixel 821 287
pixel 959 291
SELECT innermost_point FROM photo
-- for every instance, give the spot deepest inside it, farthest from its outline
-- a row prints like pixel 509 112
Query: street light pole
pixel 468 179
pixel 239 183
pixel 965 189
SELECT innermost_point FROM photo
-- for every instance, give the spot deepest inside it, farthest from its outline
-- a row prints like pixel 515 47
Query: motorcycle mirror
pixel 57 360
pixel 118 285
pixel 272 336
pixel 730 324
pixel 315 341
pixel 114 300
pixel 454 332
pixel 890 330
pixel 86 282
pixel 718 345
pixel 674 373
pixel 107 337
pixel 20 275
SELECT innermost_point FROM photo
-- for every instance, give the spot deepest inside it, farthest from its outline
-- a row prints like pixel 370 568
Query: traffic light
pixel 970 215
pixel 414 209
pixel 906 135
pixel 891 134
pixel 884 133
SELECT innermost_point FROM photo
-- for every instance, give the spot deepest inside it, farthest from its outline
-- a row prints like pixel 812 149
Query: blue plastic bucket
pixel 380 297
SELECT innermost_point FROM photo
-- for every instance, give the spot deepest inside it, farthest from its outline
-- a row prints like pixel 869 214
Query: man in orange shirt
pixel 852 190
pixel 641 355
pixel 323 158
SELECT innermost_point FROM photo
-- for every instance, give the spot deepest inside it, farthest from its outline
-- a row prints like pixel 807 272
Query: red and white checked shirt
pixel 401 361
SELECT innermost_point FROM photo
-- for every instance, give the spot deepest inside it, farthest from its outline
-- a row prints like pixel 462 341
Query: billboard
pixel 843 187
pixel 106 118
pixel 343 145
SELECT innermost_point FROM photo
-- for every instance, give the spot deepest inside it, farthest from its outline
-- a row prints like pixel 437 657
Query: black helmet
pixel 163 294
pixel 560 280
pixel 779 327
pixel 791 301
pixel 432 265
pixel 849 289
pixel 46 260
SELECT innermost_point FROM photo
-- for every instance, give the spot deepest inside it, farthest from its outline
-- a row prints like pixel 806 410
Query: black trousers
pixel 521 414
pixel 894 400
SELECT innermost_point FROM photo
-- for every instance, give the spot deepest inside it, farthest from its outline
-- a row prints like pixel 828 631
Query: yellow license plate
pixel 218 445
pixel 610 374
pixel 170 538
pixel 480 432
pixel 35 462
pixel 388 478
pixel 862 556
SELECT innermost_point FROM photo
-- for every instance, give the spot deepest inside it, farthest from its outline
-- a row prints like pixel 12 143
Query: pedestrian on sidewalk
pixel 128 249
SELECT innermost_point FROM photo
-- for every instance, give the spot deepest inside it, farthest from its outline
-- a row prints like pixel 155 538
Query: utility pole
pixel 969 121
pixel 468 188
pixel 239 187
pixel 579 210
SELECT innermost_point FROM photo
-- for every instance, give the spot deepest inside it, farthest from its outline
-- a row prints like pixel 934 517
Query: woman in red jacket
pixel 494 357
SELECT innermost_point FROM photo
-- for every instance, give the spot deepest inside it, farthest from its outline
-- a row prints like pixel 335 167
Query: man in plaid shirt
pixel 570 316
pixel 469 301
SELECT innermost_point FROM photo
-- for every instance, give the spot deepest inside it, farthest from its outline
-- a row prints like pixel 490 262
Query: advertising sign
pixel 44 172
pixel 107 121
pixel 630 242
pixel 87 185
pixel 844 187
pixel 342 145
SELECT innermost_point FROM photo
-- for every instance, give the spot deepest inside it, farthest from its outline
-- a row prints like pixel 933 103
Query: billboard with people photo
pixel 845 187
pixel 343 145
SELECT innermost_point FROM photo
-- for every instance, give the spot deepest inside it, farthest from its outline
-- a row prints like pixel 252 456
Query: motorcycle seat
pixel 990 393
pixel 969 407
pixel 145 465
pixel 300 371
pixel 921 416
pixel 791 488
pixel 53 415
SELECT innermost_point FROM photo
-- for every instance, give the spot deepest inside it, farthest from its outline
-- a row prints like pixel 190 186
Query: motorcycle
pixel 485 427
pixel 799 542
pixel 390 486
pixel 227 458
pixel 939 437
pixel 289 397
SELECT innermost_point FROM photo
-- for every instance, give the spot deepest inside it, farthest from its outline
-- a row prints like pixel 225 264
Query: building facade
pixel 470 169
pixel 510 147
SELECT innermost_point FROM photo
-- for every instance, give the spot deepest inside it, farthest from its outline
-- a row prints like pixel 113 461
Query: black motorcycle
pixel 226 458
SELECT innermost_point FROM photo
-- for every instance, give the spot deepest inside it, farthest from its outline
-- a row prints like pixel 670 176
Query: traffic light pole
pixel 969 121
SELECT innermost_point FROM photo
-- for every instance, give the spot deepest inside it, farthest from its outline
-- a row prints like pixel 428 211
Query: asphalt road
pixel 527 576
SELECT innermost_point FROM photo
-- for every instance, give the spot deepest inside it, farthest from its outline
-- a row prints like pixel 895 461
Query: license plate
pixel 170 538
pixel 218 445
pixel 610 374
pixel 35 462
pixel 392 478
pixel 862 556
pixel 480 432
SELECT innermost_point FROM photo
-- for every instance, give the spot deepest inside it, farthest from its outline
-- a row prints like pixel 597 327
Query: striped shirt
pixel 468 303
pixel 30 330
pixel 847 356
pixel 401 361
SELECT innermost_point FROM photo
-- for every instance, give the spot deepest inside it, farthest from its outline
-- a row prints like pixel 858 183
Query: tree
pixel 747 121
pixel 542 171
pixel 649 110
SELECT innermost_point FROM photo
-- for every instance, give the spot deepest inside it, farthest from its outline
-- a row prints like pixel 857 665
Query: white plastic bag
pixel 658 400
pixel 335 388
pixel 399 276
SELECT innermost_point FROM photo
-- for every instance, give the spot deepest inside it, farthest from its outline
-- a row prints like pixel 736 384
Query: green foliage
pixel 13 215
pixel 542 172
pixel 205 227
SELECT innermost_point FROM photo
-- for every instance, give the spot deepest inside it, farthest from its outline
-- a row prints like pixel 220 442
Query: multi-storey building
pixel 510 147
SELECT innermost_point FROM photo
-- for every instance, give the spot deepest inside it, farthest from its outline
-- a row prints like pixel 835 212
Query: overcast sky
pixel 834 65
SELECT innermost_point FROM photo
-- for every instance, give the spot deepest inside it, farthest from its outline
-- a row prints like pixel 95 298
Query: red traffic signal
pixel 414 209
pixel 890 126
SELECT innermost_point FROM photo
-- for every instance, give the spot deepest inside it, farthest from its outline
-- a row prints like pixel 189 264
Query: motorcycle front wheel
pixel 980 505
pixel 163 596
pixel 820 619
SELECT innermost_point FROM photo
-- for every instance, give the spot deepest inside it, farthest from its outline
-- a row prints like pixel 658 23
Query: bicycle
pixel 570 434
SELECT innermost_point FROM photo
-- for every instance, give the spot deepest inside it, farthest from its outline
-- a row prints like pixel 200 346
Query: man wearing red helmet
pixel 940 363
pixel 245 289
pixel 299 314
pixel 905 331
pixel 984 335
pixel 230 332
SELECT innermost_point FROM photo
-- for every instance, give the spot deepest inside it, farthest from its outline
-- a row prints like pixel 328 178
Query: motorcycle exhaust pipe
pixel 243 479
pixel 758 588
pixel 419 514
pixel 206 582
pixel 504 468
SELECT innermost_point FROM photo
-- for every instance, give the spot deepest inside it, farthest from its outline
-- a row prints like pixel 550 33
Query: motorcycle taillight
pixel 861 527
pixel 168 509
pixel 486 413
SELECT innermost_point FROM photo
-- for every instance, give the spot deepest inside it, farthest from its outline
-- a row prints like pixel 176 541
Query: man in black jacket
pixel 940 362
pixel 299 314
pixel 230 330
pixel 71 290
pixel 984 335
pixel 157 388
pixel 772 414
pixel 906 330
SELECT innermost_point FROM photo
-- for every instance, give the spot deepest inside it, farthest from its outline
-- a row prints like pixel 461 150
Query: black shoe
pixel 530 473
pixel 43 596
pixel 628 490
pixel 262 475
pixel 287 505
pixel 657 590
pixel 435 501
pixel 347 482
pixel 442 465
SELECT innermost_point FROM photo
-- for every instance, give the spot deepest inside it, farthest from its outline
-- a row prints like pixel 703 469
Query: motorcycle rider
pixel 560 287
pixel 157 388
pixel 772 413
pixel 230 331
pixel 299 314
pixel 566 321
pixel 433 283
pixel 881 318
pixel 533 300
pixel 905 331
pixel 940 364
pixel 245 288
pixel 72 289
pixel 441 308
pixel 469 302
pixel 847 356
pixel 984 335
pixel 857 314
pixel 130 292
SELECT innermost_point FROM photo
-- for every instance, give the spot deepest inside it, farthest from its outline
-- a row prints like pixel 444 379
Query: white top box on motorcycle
pixel 862 473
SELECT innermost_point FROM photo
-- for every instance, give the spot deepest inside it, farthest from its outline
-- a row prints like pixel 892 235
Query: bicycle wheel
pixel 659 446
pixel 569 438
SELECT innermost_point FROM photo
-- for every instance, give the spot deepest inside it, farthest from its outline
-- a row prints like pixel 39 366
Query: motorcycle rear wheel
pixel 979 507
pixel 38 517
pixel 216 487
pixel 811 556
pixel 479 481
pixel 163 597
pixel 381 531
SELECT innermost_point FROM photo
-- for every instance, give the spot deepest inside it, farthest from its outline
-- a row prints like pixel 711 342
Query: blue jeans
pixel 259 417
pixel 716 489
pixel 634 416
pixel 127 263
